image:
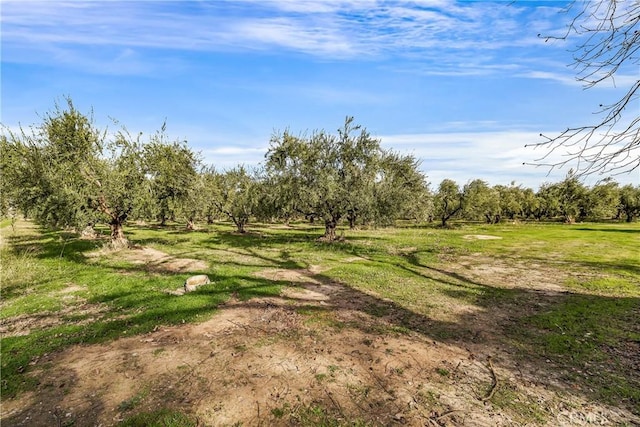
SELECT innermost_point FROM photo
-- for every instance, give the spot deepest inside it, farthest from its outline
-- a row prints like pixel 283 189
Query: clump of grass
pixel 132 402
pixel 523 408
pixel 160 418
pixel 20 271
pixel 316 415
pixel 443 372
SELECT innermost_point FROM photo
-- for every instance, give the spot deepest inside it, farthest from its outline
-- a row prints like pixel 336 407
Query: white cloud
pixel 290 34
pixel 227 157
pixel 495 156
pixel 329 29
pixel 547 75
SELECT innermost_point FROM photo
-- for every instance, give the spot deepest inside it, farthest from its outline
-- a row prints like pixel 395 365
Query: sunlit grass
pixel 417 268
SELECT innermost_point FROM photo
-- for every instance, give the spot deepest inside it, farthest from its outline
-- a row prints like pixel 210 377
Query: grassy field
pixel 552 305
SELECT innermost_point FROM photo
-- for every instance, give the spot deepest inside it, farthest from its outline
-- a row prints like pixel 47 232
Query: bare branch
pixel 609 42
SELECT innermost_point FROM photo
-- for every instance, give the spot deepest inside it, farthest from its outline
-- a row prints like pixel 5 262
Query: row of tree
pixel 569 200
pixel 66 172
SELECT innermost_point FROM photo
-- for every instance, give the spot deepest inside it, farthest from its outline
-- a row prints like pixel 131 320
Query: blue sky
pixel 462 85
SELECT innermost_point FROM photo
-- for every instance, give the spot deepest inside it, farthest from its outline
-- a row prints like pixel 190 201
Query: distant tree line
pixel 66 172
pixel 569 201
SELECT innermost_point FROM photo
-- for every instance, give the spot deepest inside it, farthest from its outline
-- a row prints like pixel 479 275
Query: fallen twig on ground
pixel 494 386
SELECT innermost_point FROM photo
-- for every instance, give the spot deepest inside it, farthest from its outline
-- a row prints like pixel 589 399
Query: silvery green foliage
pixel 66 172
pixel 343 176
pixel 236 194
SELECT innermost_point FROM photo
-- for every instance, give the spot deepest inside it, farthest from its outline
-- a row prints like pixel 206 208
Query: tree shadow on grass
pixel 52 245
pixel 579 344
pixel 588 344
pixel 611 230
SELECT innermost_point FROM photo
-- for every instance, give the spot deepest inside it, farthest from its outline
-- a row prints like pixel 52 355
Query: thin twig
pixel 494 387
pixel 446 414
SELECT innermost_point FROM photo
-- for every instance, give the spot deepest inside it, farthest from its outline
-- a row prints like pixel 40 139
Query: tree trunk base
pixel 120 243
pixel 89 233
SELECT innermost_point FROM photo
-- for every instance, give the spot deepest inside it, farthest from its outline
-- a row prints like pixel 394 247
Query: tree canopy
pixel 332 177
pixel 68 172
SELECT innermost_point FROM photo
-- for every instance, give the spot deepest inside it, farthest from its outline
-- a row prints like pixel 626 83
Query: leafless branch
pixel 609 42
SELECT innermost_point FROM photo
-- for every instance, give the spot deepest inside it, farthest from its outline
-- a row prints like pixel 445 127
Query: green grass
pixel 590 339
pixel 524 408
pixel 37 266
pixel 160 418
pixel 408 271
pixel 133 402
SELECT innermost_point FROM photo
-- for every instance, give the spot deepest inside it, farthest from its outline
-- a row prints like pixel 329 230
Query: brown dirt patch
pixel 80 314
pixel 273 361
pixel 480 237
pixel 511 274
pixel 354 259
pixel 76 308
pixel 154 260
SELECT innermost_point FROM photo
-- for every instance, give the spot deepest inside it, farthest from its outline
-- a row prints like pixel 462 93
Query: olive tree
pixel 334 177
pixel 448 201
pixel 66 172
pixel 630 201
pixel 317 173
pixel 400 190
pixel 548 201
pixel 172 172
pixel 43 166
pixel 511 200
pixel 481 202
pixel 236 195
pixel 602 200
pixel 530 204
pixel 571 198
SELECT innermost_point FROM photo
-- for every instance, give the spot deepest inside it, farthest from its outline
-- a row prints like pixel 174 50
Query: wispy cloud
pixel 565 79
pixel 568 78
pixel 433 31
pixel 495 156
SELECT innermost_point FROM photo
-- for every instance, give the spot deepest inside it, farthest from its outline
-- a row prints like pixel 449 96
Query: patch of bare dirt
pixel 270 361
pixel 76 308
pixel 354 259
pixel 511 273
pixel 480 237
pixel 72 288
pixel 155 260
pixel 82 313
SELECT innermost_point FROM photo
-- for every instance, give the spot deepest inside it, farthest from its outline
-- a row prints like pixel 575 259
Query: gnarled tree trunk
pixel 330 226
pixel 240 225
pixel 352 217
pixel 116 222
pixel 118 239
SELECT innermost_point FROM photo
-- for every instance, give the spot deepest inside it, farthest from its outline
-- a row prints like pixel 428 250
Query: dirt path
pixel 310 355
